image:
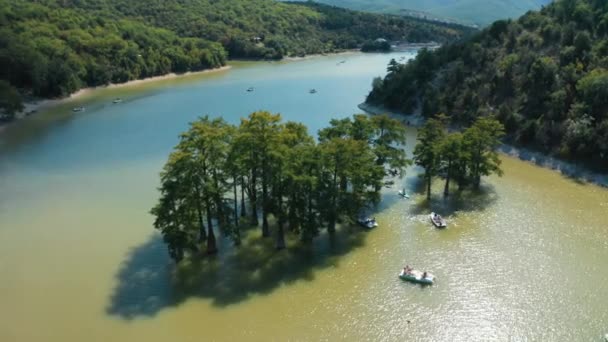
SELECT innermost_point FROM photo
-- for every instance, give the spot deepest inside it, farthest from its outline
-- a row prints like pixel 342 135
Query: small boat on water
pixel 117 100
pixel 417 277
pixel 313 91
pixel 438 221
pixel 367 222
pixel 404 194
pixel 250 89
pixel 77 109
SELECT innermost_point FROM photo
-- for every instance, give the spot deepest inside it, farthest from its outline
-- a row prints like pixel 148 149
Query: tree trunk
pixel 343 184
pixel 280 237
pixel 477 177
pixel 219 206
pixel 211 245
pixel 281 222
pixel 236 233
pixel 202 235
pixel 477 168
pixel 243 209
pixel 428 187
pixel 331 227
pixel 253 196
pixel 446 191
pixel 202 231
pixel 178 255
pixel 235 202
pixel 310 220
pixel 265 229
pixel 292 216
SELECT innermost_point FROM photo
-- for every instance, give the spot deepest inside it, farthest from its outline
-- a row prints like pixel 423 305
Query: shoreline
pixel 398 48
pixel 317 55
pixel 565 168
pixel 38 104
pixel 413 120
pixel 34 105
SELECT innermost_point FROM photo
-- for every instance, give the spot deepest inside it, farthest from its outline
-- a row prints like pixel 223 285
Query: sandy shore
pixel 415 120
pixel 568 169
pixel 345 53
pixel 30 107
pixel 398 48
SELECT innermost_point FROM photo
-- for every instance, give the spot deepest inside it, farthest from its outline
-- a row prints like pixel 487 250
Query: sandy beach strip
pixel 568 169
pixel 30 107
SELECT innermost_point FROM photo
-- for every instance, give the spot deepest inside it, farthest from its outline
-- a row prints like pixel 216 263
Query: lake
pixel 526 259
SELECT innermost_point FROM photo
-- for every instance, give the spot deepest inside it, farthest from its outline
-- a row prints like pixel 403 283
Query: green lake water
pixel 526 260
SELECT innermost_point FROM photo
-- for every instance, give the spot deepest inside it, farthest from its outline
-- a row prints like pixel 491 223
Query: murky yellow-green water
pixel 79 261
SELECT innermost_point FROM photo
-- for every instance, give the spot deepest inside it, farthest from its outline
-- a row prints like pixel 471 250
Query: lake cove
pixel 79 259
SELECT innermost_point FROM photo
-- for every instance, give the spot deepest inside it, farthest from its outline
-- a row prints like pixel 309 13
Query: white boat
pixel 117 100
pixel 438 221
pixel 416 276
pixel 367 222
pixel 250 89
pixel 77 109
pixel 404 194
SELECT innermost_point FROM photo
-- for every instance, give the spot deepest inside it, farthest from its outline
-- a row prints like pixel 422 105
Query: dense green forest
pixel 480 12
pixel 459 157
pixel 543 76
pixel 51 48
pixel 219 172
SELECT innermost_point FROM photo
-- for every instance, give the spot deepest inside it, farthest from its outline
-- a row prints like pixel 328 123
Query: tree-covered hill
pixel 53 47
pixel 481 12
pixel 545 76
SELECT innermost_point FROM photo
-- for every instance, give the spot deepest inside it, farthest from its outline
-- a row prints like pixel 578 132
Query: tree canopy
pixel 464 157
pixel 51 48
pixel 282 174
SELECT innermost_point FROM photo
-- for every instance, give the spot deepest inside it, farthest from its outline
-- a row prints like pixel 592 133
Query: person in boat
pixel 424 275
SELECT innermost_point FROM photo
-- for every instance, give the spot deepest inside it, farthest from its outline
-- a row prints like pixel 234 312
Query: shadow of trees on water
pixel 465 200
pixel 148 281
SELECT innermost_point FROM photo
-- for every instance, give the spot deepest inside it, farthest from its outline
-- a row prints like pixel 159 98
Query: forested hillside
pixel 544 76
pixel 51 48
pixel 481 12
